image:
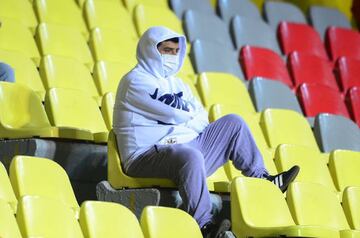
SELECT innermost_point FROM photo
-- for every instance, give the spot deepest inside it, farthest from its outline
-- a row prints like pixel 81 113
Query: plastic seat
pixel 107 109
pixel 61 72
pixel 351 206
pixel 307 199
pixel 348 71
pixel 16 37
pixel 131 4
pixel 312 69
pixel 342 42
pixel 263 62
pixel 46 217
pixel 63 41
pixel 353 99
pixel 300 37
pixel 8 225
pixel 323 17
pixel 316 98
pixel 253 32
pixel 107 219
pixel 180 6
pixel 74 108
pixel 27 178
pixel 282 126
pixel 65 13
pixel 272 94
pixel 229 8
pixel 251 195
pixel 334 132
pixel 212 57
pixel 275 12
pixel 163 222
pixel 112 45
pixel 7 195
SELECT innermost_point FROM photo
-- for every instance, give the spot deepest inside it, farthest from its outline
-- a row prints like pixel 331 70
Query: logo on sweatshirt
pixel 173 100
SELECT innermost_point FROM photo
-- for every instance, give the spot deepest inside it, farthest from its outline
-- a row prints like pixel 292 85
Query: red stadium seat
pixel 306 68
pixel 317 98
pixel 300 37
pixel 348 72
pixel 262 62
pixel 342 42
pixel 353 102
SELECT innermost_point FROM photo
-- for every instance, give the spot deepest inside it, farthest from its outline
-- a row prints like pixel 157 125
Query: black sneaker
pixel 283 179
pixel 211 230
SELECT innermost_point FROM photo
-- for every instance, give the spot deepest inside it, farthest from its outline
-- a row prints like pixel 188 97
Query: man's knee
pixel 187 156
pixel 233 119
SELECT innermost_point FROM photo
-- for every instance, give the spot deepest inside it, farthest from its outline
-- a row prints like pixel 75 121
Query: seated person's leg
pixel 6 73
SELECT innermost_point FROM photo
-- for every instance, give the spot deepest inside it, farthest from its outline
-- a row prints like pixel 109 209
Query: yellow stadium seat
pixel 42 177
pixel 131 4
pixel 259 209
pixel 190 82
pixel 8 225
pixel 313 204
pixel 165 222
pixel 26 72
pixel 16 37
pixel 41 216
pixel 344 166
pixel 351 206
pixel 65 13
pixel 113 45
pixel 80 3
pixel 187 68
pixel 63 41
pixel 6 192
pixel 107 109
pixel 75 109
pixel 282 126
pixel 63 72
pixel 110 220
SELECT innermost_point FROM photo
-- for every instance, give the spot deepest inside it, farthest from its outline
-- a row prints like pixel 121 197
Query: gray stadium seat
pixel 266 93
pixel 334 132
pixel 180 6
pixel 254 32
pixel 206 27
pixel 227 9
pixel 212 57
pixel 323 17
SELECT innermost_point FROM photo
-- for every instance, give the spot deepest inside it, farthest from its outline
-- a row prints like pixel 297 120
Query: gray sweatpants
pixel 189 164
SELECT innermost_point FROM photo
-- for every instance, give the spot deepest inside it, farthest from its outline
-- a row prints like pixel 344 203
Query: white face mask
pixel 170 64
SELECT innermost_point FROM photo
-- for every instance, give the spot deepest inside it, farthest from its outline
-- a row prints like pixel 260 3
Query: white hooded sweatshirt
pixel 153 109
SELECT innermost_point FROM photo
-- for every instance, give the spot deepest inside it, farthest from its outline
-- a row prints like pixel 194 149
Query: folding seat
pixel 62 72
pixel 107 109
pixel 334 132
pixel 347 71
pixel 272 94
pixel 253 32
pixel 112 45
pixel 8 225
pixel 73 108
pixel 42 177
pixel 41 216
pixel 7 195
pixel 342 42
pixel 275 12
pixel 162 222
pixel 344 167
pixel 351 206
pixel 26 72
pixel 16 37
pixel 63 41
pixel 131 4
pixel 227 9
pixel 323 17
pixel 212 57
pixel 300 37
pixel 20 11
pixel 263 62
pixel 312 69
pixel 65 13
pixel 313 204
pixel 259 209
pixel 192 85
pixel 353 100
pixel 180 6
pixel 107 219
pixel 316 99
pixel 282 126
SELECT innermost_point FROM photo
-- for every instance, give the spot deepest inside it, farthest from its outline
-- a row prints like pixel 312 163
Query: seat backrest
pixel 348 71
pixel 164 222
pixel 8 225
pixel 342 42
pixel 131 4
pixel 41 216
pixel 107 219
pixel 42 177
pixel 229 8
pixel 107 109
pixel 334 132
pixel 6 192
pixel 180 6
pixel 275 12
pixel 351 206
pixel 353 98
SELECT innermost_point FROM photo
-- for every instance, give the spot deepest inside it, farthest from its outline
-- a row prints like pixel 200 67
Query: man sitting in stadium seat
pixel 6 73
pixel 163 131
